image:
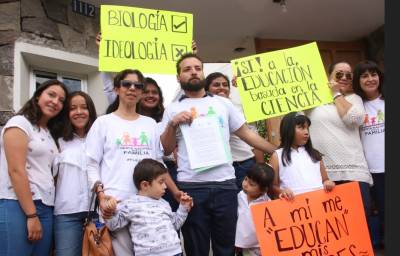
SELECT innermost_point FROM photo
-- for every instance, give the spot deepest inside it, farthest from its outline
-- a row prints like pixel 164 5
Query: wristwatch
pixel 337 94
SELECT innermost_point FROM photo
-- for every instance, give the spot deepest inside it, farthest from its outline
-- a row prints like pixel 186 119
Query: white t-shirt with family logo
pixel 229 119
pixel 373 135
pixel 114 147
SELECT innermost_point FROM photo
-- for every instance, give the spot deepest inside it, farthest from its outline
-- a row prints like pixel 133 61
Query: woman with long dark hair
pixel 116 142
pixel 72 190
pixel 26 181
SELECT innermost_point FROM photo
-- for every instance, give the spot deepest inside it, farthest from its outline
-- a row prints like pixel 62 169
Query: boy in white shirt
pixel 152 224
pixel 255 185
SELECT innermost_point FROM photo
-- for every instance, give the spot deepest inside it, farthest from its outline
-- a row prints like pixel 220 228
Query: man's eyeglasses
pixel 339 75
pixel 128 84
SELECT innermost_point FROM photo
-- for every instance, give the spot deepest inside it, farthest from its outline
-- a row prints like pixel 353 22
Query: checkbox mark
pixel 178 50
pixel 179 24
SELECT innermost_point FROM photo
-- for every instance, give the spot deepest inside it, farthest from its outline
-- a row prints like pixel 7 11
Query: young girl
pixel 26 182
pixel 298 166
pixel 72 189
pixel 255 185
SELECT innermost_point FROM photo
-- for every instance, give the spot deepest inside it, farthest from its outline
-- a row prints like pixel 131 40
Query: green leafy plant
pixel 262 131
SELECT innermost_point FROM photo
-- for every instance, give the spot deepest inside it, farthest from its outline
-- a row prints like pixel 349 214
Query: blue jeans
pixel 68 233
pixel 378 194
pixel 213 217
pixel 241 169
pixel 14 233
pixel 378 197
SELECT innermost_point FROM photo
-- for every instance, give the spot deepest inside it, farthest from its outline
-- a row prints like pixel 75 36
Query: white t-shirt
pixel 72 189
pixel 245 236
pixel 230 120
pixel 302 174
pixel 152 225
pixel 240 150
pixel 39 159
pixel 373 135
pixel 114 146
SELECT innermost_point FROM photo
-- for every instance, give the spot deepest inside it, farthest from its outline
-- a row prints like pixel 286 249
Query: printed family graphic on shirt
pixel 374 124
pixel 210 112
pixel 139 145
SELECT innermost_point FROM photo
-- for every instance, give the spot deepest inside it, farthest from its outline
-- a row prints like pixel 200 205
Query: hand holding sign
pixel 98 39
pixel 286 194
pixel 314 223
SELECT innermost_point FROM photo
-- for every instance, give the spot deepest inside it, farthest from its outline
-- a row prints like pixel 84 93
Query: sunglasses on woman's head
pixel 128 84
pixel 341 74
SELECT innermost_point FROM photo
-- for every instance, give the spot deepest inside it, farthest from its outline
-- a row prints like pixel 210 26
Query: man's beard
pixel 193 86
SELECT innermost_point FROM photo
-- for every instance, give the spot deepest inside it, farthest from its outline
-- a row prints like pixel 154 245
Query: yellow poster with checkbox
pixel 145 39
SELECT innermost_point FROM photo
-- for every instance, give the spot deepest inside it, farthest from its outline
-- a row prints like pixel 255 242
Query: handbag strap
pixel 90 213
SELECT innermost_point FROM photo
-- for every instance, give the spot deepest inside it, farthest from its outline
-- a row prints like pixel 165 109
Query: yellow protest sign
pixel 314 224
pixel 145 39
pixel 275 83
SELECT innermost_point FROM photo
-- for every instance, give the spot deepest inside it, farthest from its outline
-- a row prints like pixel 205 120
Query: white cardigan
pixel 338 139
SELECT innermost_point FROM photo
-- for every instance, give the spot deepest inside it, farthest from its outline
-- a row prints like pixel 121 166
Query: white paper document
pixel 204 143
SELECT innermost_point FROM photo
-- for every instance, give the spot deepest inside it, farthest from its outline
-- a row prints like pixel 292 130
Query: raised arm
pixel 342 105
pixel 108 85
pixel 351 110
